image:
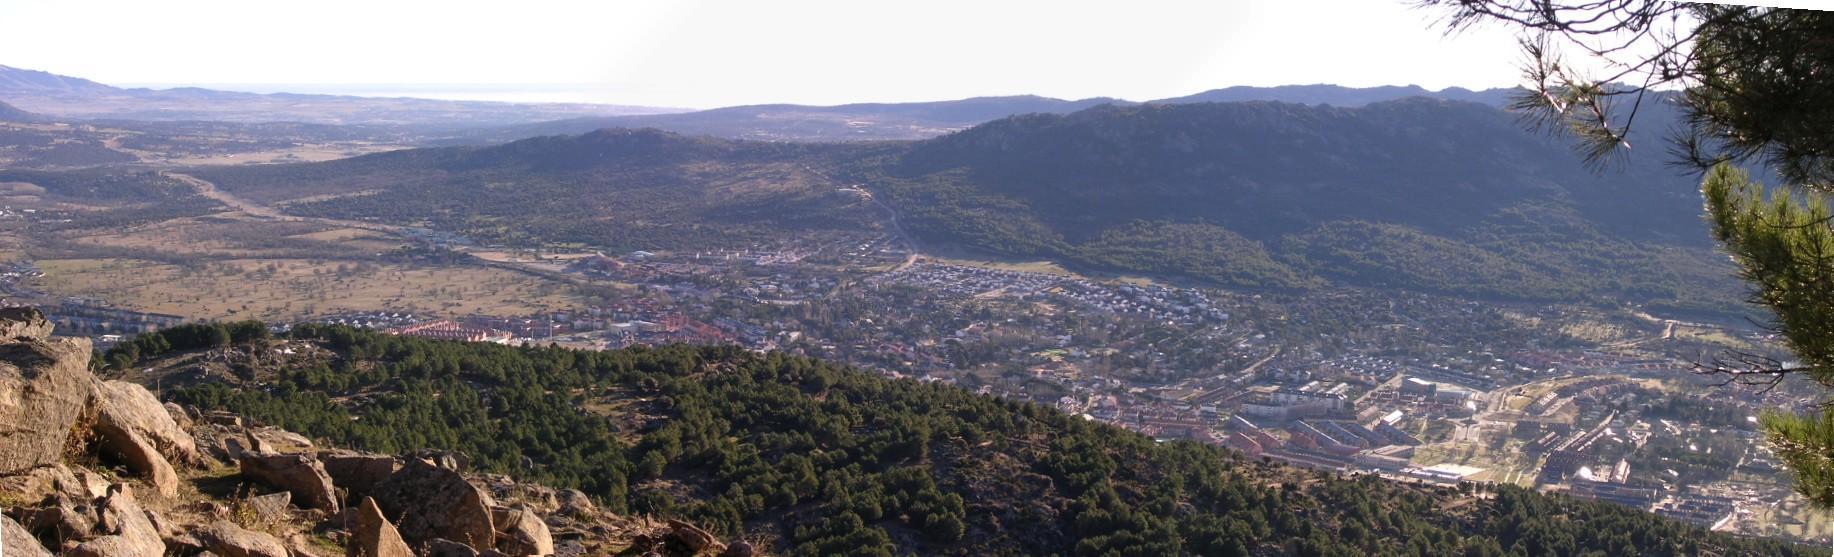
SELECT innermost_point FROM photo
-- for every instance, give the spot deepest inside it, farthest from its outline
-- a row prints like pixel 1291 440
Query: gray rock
pixel 133 410
pixel 693 537
pixel 575 503
pixel 125 529
pixel 427 501
pixel 19 542
pixel 23 322
pixel 44 481
pixel 300 474
pixel 132 425
pixel 44 388
pixel 740 548
pixel 520 532
pixel 179 415
pixel 228 540
pixel 357 472
pixel 223 419
pixel 373 536
pixel 271 508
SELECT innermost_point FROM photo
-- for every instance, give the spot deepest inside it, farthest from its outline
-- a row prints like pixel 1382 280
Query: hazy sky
pixel 715 53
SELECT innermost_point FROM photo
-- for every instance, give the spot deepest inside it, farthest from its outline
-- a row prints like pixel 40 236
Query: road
pixel 209 190
pixel 263 212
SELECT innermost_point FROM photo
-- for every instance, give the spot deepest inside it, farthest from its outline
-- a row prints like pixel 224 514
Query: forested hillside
pixel 835 461
pixel 1419 193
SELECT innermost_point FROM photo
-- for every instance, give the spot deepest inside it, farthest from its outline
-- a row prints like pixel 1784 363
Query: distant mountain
pixel 71 97
pixel 790 122
pixel 10 113
pixel 921 120
pixel 1340 96
pixel 18 81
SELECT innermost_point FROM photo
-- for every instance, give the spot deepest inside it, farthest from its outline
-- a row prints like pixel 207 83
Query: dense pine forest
pixel 835 461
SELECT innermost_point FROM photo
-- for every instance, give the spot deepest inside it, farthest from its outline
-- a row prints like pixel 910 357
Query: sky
pixel 702 54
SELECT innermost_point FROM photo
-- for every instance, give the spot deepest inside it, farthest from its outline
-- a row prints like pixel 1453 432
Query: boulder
pixel 300 474
pixel 373 536
pixel 142 457
pixel 256 444
pixel 126 530
pixel 273 439
pixel 44 388
pixel 271 508
pixel 179 415
pixel 298 545
pixel 357 472
pixel 60 517
pixel 126 409
pixel 23 322
pixel 44 481
pixel 219 417
pixel 520 532
pixel 19 542
pixel 575 503
pixel 740 548
pixel 427 501
pixel 693 537
pixel 451 460
pixel 228 540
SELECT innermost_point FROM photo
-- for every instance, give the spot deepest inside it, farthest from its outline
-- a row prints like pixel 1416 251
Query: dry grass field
pixel 286 289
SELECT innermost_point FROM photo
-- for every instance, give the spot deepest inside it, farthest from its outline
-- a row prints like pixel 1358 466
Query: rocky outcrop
pixel 300 474
pixel 124 529
pixel 125 409
pixel 228 540
pixel 740 548
pixel 356 472
pixel 428 501
pixel 44 388
pixel 575 503
pixel 373 536
pixel 694 538
pixel 131 425
pixel 20 322
pixel 53 408
pixel 57 479
pixel 19 542
pixel 272 507
pixel 520 532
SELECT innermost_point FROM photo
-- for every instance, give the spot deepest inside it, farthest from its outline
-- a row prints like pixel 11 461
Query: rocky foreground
pixel 98 468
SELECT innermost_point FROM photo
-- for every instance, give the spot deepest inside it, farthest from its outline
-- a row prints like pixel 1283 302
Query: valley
pixel 1255 278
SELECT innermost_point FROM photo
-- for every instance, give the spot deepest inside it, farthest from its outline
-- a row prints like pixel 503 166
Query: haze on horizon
pixel 706 53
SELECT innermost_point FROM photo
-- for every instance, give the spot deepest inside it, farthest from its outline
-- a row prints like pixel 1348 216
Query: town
pixel 1595 403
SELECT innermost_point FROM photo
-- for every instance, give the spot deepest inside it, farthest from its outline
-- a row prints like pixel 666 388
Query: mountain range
pixel 76 98
pixel 1425 194
pixel 471 122
pixel 919 120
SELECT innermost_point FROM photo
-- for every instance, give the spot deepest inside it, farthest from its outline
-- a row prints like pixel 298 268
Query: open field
pixel 1794 518
pixel 1042 267
pixel 284 289
pixel 301 153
